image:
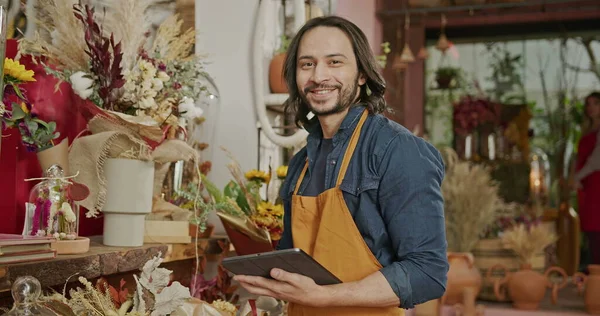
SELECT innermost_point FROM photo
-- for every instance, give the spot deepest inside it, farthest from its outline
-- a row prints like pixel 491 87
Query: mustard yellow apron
pixel 323 227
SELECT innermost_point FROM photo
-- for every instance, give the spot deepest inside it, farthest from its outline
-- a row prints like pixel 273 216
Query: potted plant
pixel 446 77
pixel 276 81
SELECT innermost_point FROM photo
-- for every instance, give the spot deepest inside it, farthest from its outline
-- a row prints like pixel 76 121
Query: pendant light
pixel 443 44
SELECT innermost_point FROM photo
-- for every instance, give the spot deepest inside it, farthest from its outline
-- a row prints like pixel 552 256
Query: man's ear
pixel 362 79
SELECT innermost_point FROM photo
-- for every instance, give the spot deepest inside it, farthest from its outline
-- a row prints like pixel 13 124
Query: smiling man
pixel 363 197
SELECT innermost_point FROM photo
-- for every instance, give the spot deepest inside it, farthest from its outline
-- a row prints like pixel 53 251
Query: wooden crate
pixel 174 232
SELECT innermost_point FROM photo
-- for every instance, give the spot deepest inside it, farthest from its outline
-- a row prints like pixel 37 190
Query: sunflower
pixel 257 175
pixel 282 172
pixel 15 72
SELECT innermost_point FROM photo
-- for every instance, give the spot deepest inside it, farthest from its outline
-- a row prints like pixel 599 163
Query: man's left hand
pixel 290 287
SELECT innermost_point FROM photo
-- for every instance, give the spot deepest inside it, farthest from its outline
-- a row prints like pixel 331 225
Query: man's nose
pixel 321 73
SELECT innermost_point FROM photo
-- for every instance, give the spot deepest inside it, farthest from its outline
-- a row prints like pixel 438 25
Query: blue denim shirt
pixel 393 190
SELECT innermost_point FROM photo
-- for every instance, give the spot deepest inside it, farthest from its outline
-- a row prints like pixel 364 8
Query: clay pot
pixel 444 82
pixel 591 283
pixel 526 287
pixel 276 81
pixel 464 280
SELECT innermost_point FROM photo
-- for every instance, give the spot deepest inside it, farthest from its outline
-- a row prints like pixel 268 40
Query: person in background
pixel 363 197
pixel 587 176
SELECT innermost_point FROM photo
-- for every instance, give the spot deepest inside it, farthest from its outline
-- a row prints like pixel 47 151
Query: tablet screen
pixel 291 260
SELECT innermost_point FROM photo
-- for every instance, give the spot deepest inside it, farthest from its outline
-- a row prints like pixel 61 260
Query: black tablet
pixel 291 260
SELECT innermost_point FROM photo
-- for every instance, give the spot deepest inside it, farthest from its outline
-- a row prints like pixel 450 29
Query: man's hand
pixel 290 287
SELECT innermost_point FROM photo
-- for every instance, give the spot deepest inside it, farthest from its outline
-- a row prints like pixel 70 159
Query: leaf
pixel 32 126
pixel 40 122
pixel 212 189
pixel 170 298
pixel 139 305
pixel 17 112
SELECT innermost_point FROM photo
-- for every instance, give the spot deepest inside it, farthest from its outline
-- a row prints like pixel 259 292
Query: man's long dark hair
pixel 371 93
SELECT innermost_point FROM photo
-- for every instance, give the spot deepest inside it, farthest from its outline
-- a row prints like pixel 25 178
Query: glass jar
pixel 26 293
pixel 51 211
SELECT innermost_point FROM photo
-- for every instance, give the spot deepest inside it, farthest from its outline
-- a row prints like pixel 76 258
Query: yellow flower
pixel 15 70
pixel 268 209
pixel 277 210
pixel 24 108
pixel 224 307
pixel 282 172
pixel 257 175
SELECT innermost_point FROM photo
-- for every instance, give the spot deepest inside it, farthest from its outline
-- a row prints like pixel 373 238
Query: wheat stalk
pixel 470 201
pixel 526 243
pixel 170 43
pixel 59 37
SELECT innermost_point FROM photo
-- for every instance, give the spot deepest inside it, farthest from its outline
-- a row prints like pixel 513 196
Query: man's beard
pixel 346 97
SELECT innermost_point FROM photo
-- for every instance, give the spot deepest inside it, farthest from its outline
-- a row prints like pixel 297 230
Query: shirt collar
pixel 346 128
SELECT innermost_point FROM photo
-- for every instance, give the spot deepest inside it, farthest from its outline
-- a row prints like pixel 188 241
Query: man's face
pixel 326 71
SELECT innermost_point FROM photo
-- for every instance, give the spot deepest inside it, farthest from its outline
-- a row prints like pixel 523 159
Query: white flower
pixel 148 70
pixel 146 103
pixel 189 109
pixel 62 235
pixel 56 235
pixel 157 84
pixel 163 76
pixel 129 86
pixel 68 212
pixel 81 85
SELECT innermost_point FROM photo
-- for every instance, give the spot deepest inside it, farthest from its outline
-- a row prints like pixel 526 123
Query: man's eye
pixel 307 64
pixel 336 62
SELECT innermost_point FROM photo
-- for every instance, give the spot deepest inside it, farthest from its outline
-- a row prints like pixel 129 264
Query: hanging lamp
pixel 443 44
pixel 402 60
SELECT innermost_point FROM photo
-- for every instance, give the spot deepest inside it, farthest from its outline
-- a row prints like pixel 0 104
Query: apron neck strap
pixel 347 155
pixel 350 149
pixel 301 177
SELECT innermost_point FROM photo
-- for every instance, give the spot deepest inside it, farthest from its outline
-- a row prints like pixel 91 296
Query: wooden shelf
pixel 104 261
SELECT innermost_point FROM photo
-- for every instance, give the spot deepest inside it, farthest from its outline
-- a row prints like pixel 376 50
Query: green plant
pixel 506 75
pixel 382 59
pixel 447 72
pixel 285 44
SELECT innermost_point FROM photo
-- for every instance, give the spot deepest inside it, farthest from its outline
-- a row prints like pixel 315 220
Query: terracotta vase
pixel 464 280
pixel 591 284
pixel 276 81
pixel 527 287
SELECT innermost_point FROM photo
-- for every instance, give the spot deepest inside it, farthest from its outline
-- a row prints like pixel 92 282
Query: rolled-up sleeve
pixel 412 205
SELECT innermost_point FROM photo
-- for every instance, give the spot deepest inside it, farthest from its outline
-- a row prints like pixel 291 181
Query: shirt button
pixel 333 162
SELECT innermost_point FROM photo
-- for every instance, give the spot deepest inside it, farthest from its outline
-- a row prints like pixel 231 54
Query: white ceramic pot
pixel 128 200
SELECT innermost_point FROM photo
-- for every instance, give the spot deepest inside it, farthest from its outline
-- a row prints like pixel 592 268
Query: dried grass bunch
pixel 108 56
pixel 471 201
pixel 527 242
pixel 155 295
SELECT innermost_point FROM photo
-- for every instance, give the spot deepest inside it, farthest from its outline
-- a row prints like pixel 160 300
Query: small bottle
pixel 26 293
pixel 51 210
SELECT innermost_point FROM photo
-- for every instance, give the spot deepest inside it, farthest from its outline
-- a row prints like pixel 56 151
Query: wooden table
pixel 112 263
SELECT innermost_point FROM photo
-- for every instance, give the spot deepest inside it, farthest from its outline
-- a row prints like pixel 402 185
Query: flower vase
pixel 589 286
pixel 276 80
pixel 527 287
pixel 52 210
pixel 464 280
pixel 129 191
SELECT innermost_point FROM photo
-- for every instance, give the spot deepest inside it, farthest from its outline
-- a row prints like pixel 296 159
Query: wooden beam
pixel 569 14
